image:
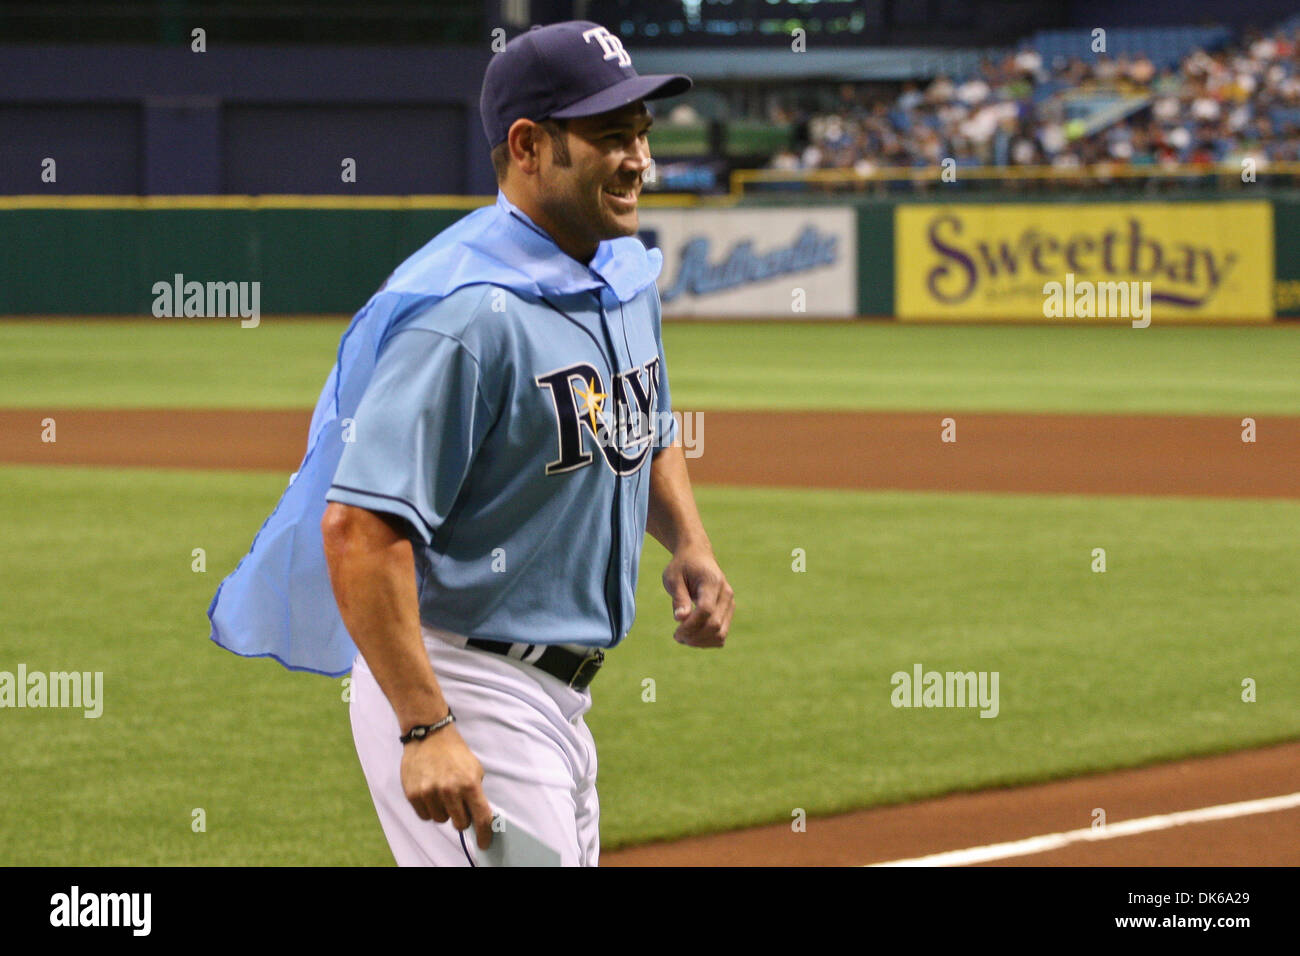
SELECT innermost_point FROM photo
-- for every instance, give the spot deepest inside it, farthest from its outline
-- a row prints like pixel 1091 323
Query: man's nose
pixel 639 156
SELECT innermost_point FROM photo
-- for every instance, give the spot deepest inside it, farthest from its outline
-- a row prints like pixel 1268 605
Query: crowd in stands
pixel 1217 106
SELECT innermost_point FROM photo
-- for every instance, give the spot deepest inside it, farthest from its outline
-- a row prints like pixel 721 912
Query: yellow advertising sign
pixel 1085 262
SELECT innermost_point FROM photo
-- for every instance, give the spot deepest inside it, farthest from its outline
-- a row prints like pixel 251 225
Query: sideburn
pixel 559 141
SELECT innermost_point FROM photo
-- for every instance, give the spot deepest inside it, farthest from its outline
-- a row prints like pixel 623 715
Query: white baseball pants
pixel 527 730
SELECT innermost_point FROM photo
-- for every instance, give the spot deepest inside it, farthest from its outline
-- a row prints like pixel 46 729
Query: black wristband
pixel 424 730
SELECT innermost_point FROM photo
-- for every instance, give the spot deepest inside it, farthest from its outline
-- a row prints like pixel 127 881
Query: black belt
pixel 576 670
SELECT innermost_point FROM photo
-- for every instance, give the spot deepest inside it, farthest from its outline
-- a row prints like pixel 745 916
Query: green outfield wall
pixel 1231 258
pixel 1286 249
pixel 76 261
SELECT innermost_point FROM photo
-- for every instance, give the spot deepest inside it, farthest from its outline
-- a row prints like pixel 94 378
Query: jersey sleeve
pixel 417 428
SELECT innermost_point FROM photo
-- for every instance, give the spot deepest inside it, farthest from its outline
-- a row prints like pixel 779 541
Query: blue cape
pixel 278 601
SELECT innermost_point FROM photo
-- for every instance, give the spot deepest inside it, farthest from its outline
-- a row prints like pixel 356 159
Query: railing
pixel 893 180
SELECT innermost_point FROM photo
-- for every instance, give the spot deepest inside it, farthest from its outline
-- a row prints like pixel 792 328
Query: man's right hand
pixel 444 781
pixel 372 570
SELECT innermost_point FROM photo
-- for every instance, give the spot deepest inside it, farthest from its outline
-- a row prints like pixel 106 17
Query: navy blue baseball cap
pixel 564 70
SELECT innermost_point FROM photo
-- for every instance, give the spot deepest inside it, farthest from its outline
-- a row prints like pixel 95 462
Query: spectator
pixel 1213 107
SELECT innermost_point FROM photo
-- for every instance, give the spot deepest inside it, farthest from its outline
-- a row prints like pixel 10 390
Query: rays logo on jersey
pixel 624 433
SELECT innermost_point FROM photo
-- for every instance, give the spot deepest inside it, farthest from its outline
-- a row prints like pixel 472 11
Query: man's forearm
pixel 372 571
pixel 673 518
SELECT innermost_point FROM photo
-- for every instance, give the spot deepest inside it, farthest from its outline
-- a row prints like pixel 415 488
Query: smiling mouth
pixel 625 195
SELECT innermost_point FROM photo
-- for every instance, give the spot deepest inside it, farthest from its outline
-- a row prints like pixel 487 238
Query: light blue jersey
pixel 505 401
pixel 486 428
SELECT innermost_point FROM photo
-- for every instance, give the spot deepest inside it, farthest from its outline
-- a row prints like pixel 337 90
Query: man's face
pixel 594 196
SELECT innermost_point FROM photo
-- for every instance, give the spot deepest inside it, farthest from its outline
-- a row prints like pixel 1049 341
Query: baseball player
pixel 484 461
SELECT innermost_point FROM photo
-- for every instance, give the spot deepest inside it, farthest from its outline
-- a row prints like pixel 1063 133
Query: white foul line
pixel 1053 841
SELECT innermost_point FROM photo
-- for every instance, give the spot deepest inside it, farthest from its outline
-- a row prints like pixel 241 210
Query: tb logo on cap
pixel 611 44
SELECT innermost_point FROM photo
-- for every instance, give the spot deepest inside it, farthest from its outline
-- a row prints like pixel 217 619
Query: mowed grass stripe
pixel 283 363
pixel 209 363
pixel 1140 663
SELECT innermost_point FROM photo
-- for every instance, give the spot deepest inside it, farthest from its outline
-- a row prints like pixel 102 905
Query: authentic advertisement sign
pixel 741 263
pixel 1104 262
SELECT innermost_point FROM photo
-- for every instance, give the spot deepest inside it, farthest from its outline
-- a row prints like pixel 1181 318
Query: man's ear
pixel 525 142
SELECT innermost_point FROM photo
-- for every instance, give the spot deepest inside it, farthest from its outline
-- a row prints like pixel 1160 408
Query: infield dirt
pixel 1023 453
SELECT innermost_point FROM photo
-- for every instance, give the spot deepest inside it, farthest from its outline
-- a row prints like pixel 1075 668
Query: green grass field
pixel 282 364
pixel 1096 670
pixel 1141 663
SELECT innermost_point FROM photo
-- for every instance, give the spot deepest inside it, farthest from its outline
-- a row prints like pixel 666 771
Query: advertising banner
pixel 1085 261
pixel 755 263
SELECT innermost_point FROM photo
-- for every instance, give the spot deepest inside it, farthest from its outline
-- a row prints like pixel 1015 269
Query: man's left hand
pixel 693 576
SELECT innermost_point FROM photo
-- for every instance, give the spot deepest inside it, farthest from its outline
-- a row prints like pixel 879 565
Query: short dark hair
pixel 554 128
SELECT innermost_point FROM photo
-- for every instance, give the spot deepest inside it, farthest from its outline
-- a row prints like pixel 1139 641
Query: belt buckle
pixel 593 659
